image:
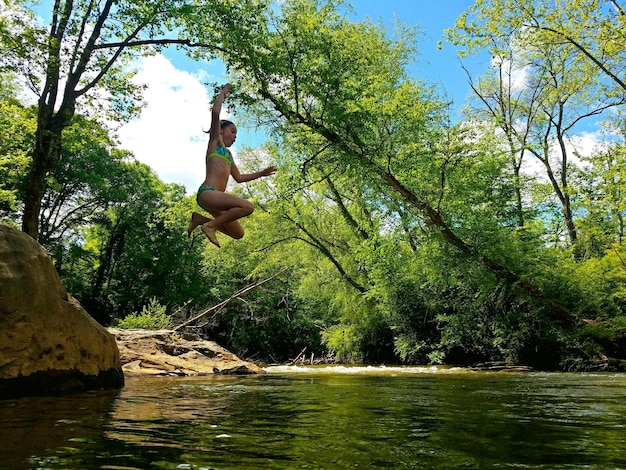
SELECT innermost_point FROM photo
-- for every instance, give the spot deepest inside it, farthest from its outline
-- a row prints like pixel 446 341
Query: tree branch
pixel 158 42
pixel 582 49
pixel 218 307
pixel 314 242
pixel 344 210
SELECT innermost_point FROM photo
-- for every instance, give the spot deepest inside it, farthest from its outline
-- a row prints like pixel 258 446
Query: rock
pixel 168 352
pixel 48 343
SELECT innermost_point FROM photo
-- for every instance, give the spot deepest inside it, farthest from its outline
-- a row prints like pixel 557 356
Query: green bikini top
pixel 223 153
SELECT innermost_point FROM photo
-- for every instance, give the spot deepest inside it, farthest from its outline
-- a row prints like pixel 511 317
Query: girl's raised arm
pixel 217 109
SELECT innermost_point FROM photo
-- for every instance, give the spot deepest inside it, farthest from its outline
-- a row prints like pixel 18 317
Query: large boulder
pixel 48 343
pixel 168 352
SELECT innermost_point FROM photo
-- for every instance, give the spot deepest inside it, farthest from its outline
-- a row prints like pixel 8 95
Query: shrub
pixel 151 317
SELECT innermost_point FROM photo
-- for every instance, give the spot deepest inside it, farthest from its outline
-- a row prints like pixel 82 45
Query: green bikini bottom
pixel 204 188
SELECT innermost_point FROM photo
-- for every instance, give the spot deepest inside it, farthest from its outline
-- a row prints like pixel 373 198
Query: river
pixel 327 418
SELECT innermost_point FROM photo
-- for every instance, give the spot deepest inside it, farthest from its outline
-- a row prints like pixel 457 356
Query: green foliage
pixel 491 292
pixel 152 317
pixel 569 77
pixel 399 236
pixel 601 282
pixel 90 176
pixel 17 126
pixel 143 252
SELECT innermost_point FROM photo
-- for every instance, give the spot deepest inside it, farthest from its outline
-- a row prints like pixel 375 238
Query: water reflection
pixel 321 418
pixel 36 430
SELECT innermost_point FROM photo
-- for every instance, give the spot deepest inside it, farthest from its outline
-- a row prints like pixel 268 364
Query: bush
pixel 152 317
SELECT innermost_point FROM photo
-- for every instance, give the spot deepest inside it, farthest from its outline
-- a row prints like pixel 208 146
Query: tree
pixel 86 181
pixel 342 89
pixel 595 28
pixel 602 190
pixel 558 87
pixel 17 127
pixel 85 51
pixel 140 248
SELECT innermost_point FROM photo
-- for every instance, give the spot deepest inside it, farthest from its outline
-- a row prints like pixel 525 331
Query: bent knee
pixel 248 208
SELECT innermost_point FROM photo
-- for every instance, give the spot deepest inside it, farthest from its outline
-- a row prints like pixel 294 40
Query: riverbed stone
pixel 169 352
pixel 48 343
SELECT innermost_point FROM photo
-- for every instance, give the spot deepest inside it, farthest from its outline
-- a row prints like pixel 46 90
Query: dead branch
pixel 298 357
pixel 218 307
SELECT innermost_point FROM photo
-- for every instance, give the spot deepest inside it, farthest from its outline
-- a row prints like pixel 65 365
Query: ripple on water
pixel 329 417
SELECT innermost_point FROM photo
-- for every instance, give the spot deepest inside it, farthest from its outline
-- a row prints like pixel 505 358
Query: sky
pixel 168 136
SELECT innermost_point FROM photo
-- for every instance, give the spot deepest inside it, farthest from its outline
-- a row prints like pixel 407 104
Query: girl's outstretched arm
pixel 239 178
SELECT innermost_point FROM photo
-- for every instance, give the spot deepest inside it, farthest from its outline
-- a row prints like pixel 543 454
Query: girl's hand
pixel 226 89
pixel 270 170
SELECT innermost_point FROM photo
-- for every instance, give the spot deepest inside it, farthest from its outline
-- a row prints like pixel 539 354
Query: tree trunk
pixel 44 155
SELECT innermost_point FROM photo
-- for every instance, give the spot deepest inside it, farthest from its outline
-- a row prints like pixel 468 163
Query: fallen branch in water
pixel 298 357
pixel 501 367
pixel 221 305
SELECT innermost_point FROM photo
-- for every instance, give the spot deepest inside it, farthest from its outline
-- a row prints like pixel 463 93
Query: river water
pixel 327 418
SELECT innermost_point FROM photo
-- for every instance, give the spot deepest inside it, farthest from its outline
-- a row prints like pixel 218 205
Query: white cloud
pixel 586 143
pixel 515 75
pixel 168 136
pixel 580 145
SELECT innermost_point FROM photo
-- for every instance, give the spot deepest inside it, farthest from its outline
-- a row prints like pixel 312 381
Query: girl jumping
pixel 226 208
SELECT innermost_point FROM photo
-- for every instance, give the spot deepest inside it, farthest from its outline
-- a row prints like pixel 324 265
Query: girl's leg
pixel 227 209
pixel 232 229
pixel 196 219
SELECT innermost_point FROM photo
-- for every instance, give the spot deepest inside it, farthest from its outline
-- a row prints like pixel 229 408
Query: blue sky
pixel 440 67
pixel 168 135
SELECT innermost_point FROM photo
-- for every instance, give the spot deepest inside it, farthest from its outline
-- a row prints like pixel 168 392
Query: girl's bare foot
pixel 210 234
pixel 196 219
